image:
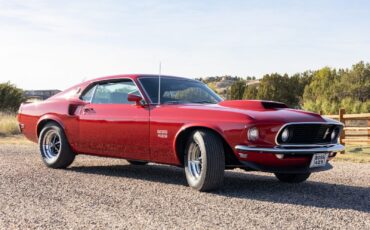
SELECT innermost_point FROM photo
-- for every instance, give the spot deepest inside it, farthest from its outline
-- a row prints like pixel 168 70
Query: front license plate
pixel 319 160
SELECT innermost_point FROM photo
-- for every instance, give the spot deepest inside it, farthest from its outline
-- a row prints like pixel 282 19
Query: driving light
pixel 253 134
pixel 326 133
pixel 285 135
pixel 279 156
pixel 334 134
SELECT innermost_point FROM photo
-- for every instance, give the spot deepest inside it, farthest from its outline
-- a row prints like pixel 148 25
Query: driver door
pixel 111 125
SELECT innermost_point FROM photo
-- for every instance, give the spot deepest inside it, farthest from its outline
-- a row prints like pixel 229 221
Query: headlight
pixel 285 135
pixel 253 134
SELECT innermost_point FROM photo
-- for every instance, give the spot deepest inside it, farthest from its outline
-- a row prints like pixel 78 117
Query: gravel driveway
pixel 108 193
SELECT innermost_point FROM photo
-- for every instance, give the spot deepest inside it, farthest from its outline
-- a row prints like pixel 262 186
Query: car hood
pixel 269 110
pixel 259 111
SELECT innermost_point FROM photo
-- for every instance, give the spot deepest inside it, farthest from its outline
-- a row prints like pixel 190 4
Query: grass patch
pixel 359 154
pixel 8 125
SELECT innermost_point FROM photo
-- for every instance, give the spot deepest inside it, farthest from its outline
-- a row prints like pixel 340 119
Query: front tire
pixel 54 147
pixel 204 161
pixel 292 178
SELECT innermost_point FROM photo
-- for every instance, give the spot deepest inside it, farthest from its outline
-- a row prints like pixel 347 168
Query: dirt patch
pixel 108 193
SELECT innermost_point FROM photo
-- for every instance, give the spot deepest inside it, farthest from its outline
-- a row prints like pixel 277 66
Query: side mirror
pixel 135 98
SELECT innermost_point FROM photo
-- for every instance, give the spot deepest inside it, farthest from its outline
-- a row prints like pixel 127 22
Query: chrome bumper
pixel 295 150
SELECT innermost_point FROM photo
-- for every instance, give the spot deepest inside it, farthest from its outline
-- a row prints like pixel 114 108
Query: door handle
pixel 88 110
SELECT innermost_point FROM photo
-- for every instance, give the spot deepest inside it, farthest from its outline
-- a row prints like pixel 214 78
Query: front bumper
pixel 293 149
pixel 304 151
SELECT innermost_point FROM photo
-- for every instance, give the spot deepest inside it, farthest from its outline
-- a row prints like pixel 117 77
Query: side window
pixel 114 92
pixel 150 85
pixel 87 96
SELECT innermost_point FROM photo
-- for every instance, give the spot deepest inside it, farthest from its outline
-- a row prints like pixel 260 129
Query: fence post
pixel 341 119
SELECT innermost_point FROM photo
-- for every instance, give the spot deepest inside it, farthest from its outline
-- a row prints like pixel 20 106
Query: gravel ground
pixel 108 193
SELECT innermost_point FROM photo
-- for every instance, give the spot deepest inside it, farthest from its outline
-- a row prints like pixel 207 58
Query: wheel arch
pixel 46 119
pixel 184 133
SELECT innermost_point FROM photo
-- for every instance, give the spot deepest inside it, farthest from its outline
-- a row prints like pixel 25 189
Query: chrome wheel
pixel 51 145
pixel 204 161
pixel 54 148
pixel 195 161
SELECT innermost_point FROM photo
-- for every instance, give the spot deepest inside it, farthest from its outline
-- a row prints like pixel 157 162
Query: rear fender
pixel 47 118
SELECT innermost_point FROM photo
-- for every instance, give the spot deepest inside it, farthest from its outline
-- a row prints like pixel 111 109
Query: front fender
pixel 186 127
pixel 200 125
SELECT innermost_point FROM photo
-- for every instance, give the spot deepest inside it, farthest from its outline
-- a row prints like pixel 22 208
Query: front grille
pixel 309 133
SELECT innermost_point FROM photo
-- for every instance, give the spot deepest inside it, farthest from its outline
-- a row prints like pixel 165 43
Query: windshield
pixel 178 91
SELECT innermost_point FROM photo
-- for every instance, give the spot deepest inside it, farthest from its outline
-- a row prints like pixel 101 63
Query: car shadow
pixel 250 186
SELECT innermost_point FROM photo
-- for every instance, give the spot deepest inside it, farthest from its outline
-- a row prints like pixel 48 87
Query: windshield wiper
pixel 202 102
pixel 184 102
pixel 172 102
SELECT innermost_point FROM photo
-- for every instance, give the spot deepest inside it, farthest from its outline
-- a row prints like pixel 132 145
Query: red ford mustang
pixel 179 121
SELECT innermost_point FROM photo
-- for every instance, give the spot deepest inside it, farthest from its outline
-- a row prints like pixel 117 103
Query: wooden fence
pixel 356 127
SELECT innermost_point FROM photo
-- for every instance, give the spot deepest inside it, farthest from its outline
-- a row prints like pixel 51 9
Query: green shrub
pixel 11 97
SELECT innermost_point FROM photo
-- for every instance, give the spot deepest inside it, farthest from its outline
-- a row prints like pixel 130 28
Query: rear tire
pixel 137 162
pixel 54 147
pixel 292 178
pixel 204 161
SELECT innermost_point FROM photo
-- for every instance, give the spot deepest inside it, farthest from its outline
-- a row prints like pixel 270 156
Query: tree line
pixel 327 89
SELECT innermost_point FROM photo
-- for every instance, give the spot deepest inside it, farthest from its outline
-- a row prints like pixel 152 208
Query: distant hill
pixel 222 84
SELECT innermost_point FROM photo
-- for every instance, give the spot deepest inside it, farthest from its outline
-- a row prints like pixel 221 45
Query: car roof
pixel 134 77
pixel 115 77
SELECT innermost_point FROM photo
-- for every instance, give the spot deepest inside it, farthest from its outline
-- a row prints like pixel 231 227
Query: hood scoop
pixel 253 104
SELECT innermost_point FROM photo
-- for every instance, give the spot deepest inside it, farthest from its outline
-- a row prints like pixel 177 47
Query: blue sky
pixel 55 44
